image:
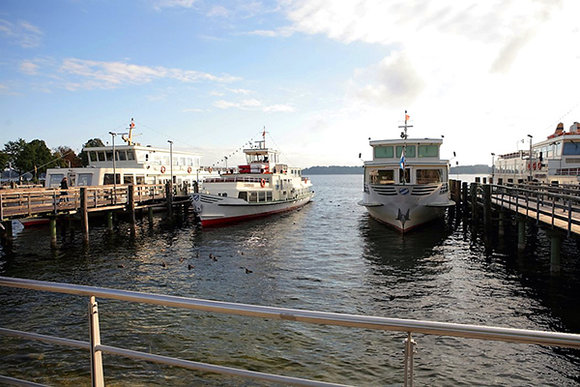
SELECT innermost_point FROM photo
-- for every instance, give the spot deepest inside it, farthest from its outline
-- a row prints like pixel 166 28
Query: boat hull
pixel 216 210
pixel 406 207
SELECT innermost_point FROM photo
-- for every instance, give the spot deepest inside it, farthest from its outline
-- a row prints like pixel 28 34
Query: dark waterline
pixel 329 256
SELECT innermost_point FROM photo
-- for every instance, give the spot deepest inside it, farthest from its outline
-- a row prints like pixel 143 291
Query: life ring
pixel 162 169
pixel 188 169
pixel 210 170
pixel 262 183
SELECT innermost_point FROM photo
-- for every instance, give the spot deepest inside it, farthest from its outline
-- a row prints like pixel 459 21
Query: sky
pixel 321 76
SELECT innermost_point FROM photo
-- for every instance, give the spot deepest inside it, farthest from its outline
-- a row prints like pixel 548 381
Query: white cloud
pixel 29 67
pixel 159 4
pixel 252 104
pixel 469 69
pixel 218 11
pixel 22 33
pixel 97 74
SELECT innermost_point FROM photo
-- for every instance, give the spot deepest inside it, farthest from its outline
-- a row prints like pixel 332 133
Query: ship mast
pixel 404 152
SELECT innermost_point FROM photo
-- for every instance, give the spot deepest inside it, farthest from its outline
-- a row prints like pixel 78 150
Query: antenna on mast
pixel 129 139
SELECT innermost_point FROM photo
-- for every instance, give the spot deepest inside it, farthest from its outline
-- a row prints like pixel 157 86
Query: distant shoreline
pixel 358 170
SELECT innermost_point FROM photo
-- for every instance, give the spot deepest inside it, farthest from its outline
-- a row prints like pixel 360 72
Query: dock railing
pixel 409 327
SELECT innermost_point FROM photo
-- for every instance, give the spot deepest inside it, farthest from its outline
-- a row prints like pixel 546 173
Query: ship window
pixel 426 176
pixel 253 197
pixel 407 176
pixel 130 155
pixel 409 152
pixel 55 179
pixel 93 156
pixel 261 196
pixel 269 196
pixel 140 179
pixel 127 179
pixel 109 155
pixel 101 156
pixel 382 176
pixel 108 178
pixel 571 149
pixel 85 179
pixel 243 196
pixel 383 152
pixel 121 155
pixel 428 150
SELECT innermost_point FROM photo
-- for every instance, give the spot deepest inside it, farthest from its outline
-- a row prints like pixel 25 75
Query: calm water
pixel 329 256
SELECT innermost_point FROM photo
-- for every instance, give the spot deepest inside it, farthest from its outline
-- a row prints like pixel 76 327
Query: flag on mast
pixel 406 116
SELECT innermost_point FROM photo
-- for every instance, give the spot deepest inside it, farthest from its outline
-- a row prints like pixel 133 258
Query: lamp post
pixel 113 134
pixel 171 160
pixel 492 166
pixel 530 157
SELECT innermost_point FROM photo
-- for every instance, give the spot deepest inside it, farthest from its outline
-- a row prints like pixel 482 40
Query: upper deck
pixel 417 151
pixel 136 156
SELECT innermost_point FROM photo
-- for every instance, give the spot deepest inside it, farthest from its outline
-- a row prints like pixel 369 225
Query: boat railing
pixel 235 179
pixel 407 328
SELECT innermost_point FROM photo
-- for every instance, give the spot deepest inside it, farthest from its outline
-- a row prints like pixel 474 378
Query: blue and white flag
pixel 402 162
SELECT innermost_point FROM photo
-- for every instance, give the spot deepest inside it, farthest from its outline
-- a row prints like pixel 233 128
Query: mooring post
pixel 109 215
pixel 169 197
pixel 555 248
pixel 7 233
pixel 84 214
pixel 131 204
pixel 487 205
pixel 52 227
pixel 464 194
pixel 473 192
pixel 521 232
pixel 501 222
pixel 150 214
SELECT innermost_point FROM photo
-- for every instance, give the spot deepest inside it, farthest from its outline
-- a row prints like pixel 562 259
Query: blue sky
pixel 322 76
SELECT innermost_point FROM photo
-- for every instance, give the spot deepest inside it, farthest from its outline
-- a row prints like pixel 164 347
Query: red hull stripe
pixel 234 219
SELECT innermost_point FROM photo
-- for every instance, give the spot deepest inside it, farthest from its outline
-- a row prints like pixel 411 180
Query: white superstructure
pixel 261 187
pixel 134 164
pixel 406 183
pixel 555 160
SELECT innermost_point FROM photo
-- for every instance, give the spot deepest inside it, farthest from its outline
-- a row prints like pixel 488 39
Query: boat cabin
pixel 421 164
pixel 134 164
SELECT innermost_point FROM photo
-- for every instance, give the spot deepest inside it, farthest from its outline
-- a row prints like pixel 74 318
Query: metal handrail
pixel 298 315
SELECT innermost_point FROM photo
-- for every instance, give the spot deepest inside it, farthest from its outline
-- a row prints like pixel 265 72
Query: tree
pixel 4 158
pixel 66 157
pixel 92 143
pixel 13 149
pixel 34 157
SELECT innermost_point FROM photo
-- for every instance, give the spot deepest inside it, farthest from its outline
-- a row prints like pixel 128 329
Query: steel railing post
pixel 97 377
pixel 409 352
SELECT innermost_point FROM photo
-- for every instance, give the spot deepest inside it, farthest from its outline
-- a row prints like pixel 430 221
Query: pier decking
pixel 52 203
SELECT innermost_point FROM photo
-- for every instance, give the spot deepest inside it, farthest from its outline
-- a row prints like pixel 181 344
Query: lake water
pixel 329 256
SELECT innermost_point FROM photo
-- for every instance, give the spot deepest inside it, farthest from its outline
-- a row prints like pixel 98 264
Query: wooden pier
pixel 555 209
pixel 80 202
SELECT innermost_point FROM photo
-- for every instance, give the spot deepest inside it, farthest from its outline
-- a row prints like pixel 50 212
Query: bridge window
pixel 130 155
pixel 101 156
pixel 93 156
pixel 121 155
pixel 109 155
pixel 383 152
pixel 409 152
pixel 427 176
pixel 382 176
pixel 571 149
pixel 428 150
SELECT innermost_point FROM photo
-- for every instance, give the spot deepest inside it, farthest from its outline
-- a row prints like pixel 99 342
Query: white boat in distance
pixel 261 187
pixel 406 184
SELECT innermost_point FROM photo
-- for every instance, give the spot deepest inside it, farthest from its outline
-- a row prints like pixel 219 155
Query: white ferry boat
pixel 259 188
pixel 554 161
pixel 406 183
pixel 134 164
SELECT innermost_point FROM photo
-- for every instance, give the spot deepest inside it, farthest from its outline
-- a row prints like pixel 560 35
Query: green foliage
pixel 92 143
pixel 66 157
pixel 4 158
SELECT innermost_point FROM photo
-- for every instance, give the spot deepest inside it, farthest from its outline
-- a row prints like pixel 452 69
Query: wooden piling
pixel 487 205
pixel 464 194
pixel 473 193
pixel 84 214
pixel 555 249
pixel 521 233
pixel 150 214
pixel 131 203
pixel 169 198
pixel 52 227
